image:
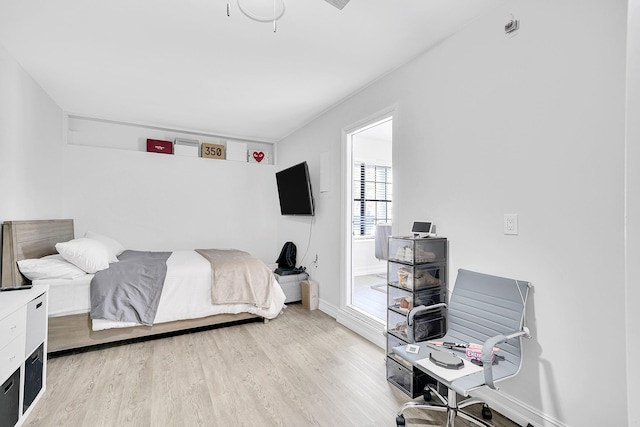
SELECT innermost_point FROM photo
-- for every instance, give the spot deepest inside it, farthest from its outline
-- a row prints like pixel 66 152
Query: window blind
pixel 372 197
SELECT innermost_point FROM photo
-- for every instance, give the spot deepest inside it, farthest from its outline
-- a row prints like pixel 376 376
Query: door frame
pixel 365 325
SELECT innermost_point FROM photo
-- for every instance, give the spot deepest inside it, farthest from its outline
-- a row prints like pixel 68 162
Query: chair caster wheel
pixel 426 394
pixel 400 420
pixel 486 412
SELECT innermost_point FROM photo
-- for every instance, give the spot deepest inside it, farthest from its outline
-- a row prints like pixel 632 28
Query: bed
pixel 70 324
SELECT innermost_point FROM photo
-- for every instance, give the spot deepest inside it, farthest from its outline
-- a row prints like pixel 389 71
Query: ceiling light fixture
pixel 260 10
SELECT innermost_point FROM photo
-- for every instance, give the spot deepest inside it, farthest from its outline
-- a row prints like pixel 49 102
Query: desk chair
pixel 483 309
pixel 381 240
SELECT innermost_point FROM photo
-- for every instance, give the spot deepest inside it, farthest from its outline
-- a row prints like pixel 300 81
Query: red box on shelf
pixel 159 146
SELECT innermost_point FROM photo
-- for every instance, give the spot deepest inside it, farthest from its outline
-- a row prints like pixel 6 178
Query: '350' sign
pixel 212 151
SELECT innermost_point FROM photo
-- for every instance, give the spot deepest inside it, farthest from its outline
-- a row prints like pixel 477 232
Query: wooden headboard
pixel 30 239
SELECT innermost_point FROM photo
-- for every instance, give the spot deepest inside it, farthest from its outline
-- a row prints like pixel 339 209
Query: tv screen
pixel 294 190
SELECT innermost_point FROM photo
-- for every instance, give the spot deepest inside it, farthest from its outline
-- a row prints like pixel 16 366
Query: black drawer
pixel 10 400
pixel 411 381
pixel 32 377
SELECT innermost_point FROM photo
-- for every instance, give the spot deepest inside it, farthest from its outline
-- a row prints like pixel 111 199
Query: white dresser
pixel 23 352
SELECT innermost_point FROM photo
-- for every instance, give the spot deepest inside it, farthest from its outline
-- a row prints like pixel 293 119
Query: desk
pixel 443 375
pixel 456 381
pixel 459 380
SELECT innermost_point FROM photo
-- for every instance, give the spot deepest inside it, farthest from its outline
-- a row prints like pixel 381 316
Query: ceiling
pixel 187 65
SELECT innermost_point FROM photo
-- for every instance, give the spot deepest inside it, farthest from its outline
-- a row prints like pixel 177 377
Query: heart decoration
pixel 258 156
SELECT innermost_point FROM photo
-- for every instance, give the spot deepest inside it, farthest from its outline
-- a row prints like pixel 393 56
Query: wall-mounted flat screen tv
pixel 294 190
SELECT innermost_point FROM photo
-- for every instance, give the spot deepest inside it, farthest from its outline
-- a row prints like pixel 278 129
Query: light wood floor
pixel 300 369
pixel 370 294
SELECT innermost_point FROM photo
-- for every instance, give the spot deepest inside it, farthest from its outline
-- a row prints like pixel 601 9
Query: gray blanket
pixel 130 290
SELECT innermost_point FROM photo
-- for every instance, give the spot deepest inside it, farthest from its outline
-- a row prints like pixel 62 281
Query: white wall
pixel 144 200
pixel 534 125
pixel 167 202
pixel 372 150
pixel 30 140
pixel 633 210
pixel 160 202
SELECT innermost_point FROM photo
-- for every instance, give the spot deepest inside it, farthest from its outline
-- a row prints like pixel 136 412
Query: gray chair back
pixel 482 306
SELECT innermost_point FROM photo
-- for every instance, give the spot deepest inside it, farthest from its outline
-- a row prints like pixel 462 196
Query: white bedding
pixel 68 296
pixel 186 294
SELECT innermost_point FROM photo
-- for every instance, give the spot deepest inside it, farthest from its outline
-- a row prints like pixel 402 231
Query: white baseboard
pixel 371 331
pixel 517 411
pixel 328 308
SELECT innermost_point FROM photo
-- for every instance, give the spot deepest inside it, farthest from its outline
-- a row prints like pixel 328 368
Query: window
pixel 371 198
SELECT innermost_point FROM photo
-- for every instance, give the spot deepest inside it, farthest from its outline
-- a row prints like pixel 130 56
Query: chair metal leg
pixel 473 419
pixel 450 406
pixel 434 390
pixel 451 417
pixel 429 405
pixel 469 401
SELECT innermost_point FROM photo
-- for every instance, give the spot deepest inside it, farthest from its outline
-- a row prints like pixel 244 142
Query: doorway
pixel 371 199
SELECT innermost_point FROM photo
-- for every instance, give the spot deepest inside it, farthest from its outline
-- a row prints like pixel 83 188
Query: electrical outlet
pixel 510 223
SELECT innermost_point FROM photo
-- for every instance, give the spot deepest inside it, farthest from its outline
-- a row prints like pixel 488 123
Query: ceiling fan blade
pixel 338 3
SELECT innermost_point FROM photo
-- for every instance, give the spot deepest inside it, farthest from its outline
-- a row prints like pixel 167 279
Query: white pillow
pixel 49 267
pixel 87 254
pixel 114 247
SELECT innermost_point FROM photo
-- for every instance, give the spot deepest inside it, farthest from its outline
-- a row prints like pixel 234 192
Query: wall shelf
pixel 112 134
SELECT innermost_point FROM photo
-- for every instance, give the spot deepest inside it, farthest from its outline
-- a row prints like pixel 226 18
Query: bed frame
pixel 35 239
pixel 30 239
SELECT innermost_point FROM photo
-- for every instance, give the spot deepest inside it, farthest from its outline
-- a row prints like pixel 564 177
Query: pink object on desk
pixel 476 354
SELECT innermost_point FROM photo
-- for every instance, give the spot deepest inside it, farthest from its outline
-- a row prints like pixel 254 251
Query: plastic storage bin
pixel 393 341
pixel 405 378
pixel 416 277
pixel 426 326
pixel 402 300
pixel 415 250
